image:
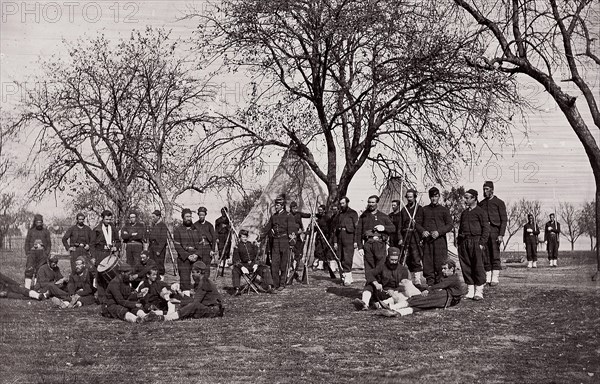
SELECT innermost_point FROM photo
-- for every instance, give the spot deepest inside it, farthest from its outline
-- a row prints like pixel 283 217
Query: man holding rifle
pixel 187 241
pixel 409 239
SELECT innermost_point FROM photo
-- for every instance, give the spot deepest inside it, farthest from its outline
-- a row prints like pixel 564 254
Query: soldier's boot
pixel 495 276
pixel 529 264
pixel 320 265
pixel 333 266
pixel 348 280
pixel 535 264
pixel 28 283
pixel 470 292
pixel 478 293
pixel 417 278
pixel 488 277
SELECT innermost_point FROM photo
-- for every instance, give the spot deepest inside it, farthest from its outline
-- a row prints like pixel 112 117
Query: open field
pixel 539 326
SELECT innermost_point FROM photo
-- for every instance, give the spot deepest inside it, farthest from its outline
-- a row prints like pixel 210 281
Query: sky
pixel 547 164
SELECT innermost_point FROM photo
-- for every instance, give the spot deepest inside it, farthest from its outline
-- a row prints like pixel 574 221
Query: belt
pixel 471 237
pixel 134 242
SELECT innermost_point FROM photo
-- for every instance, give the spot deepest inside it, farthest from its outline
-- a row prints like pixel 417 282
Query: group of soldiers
pixel 412 234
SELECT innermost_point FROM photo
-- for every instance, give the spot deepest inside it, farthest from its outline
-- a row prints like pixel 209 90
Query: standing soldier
pixel 496 212
pixel 206 231
pixel 105 240
pixel 37 248
pixel 77 240
pixel 223 229
pixel 280 230
pixel 473 233
pixel 298 229
pixel 551 236
pixel 372 233
pixel 187 243
pixel 395 217
pixel 344 243
pixel 321 249
pixel 157 241
pixel 408 237
pixel 530 237
pixel 133 235
pixel 436 223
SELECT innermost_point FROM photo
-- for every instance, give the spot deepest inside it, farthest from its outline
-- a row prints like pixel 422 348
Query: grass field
pixel 539 326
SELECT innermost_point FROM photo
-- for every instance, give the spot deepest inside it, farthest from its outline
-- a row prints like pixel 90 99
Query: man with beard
pixel 80 287
pixel 436 223
pixel 551 236
pixel 51 282
pixel 384 283
pixel 134 236
pixel 157 241
pixel 121 301
pixel 473 234
pixel 223 229
pixel 37 248
pixel 408 236
pixel 280 229
pixel 530 237
pixel 206 231
pixel 372 233
pixel 187 243
pixel 298 248
pixel 105 240
pixel 77 240
pixel 140 269
pixel 395 218
pixel 495 209
pixel 344 241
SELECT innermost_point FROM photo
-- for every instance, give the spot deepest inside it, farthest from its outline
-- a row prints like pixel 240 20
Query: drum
pixel 108 267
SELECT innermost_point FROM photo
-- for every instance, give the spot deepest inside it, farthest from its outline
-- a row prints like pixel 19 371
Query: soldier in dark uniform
pixel 372 233
pixel 38 245
pixel 322 251
pixel 280 230
pixel 530 238
pixel 473 234
pixel 298 248
pixel 77 240
pixel 245 259
pixel 10 289
pixel 105 240
pixel 551 236
pixel 436 223
pixel 121 301
pixel 496 212
pixel 395 217
pixel 223 229
pixel 157 241
pixel 187 241
pixel 133 235
pixel 141 269
pixel 408 236
pixel 207 237
pixel 344 242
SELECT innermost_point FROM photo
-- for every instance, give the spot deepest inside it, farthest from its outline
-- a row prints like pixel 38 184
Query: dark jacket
pixel 496 211
pixel 367 223
pixel 120 293
pixel 187 240
pixel 75 236
pixel 80 284
pixel 435 218
pixel 387 277
pixel 531 235
pixel 474 223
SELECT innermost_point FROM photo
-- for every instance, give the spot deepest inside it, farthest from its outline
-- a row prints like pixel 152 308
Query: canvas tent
pixel 395 189
pixel 295 179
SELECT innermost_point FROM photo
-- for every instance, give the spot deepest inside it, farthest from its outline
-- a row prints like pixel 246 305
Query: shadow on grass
pixel 350 293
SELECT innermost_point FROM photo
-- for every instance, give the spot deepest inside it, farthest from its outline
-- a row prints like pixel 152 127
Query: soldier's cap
pixel 472 192
pixel 82 259
pixel 198 266
pixel 185 211
pixel 393 251
pixel 80 215
pixel 411 190
pixel 489 184
pixel 243 232
pixel 38 217
pixel 157 213
pixel 202 209
pixel 293 204
pixel 147 253
pixel 53 258
pixel 279 200
pixel 433 191
pixel 124 268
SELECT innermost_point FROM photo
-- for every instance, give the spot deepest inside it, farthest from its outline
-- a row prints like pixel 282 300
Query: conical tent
pixel 395 189
pixel 292 178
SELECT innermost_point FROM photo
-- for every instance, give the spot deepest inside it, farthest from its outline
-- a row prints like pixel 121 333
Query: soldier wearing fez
pixel 206 231
pixel 496 212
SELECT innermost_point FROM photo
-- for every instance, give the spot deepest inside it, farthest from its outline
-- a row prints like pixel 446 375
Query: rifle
pixel 411 229
pixel 227 241
pixel 173 261
pixel 221 258
pixel 337 260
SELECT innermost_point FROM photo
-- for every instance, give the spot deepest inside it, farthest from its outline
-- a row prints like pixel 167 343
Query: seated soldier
pixel 244 260
pixel 156 293
pixel 206 300
pixel 446 293
pixel 10 289
pixel 80 286
pixel 121 301
pixel 387 284
pixel 51 283
pixel 141 269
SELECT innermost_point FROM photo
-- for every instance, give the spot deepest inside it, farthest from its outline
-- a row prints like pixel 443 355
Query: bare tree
pixel 381 82
pixel 454 201
pixel 587 223
pixel 550 42
pixel 7 133
pixel 570 216
pixel 13 212
pixel 112 113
